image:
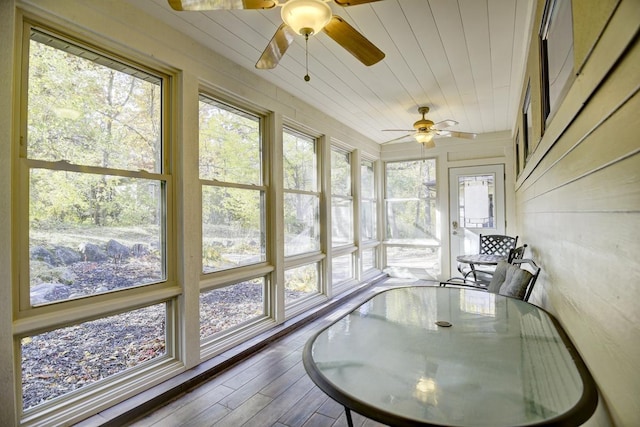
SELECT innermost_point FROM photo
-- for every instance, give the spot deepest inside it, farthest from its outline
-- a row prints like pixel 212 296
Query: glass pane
pixel 91 234
pixel 415 179
pixel 368 259
pixel 232 228
pixel 340 173
pixel 301 223
pixel 58 362
pixel 229 307
pixel 342 268
pixel 300 164
pixel 301 282
pixel 86 113
pixel 230 148
pixel 368 219
pixel 399 258
pixel 341 221
pixel 411 219
pixel 367 179
pixel 477 195
pixel 559 50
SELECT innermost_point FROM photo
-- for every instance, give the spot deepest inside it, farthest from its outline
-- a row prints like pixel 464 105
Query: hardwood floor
pixel 270 388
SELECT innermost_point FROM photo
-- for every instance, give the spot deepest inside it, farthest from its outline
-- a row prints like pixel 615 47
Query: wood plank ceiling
pixel 464 59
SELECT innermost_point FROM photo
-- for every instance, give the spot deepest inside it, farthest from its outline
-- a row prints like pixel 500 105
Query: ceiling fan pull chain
pixel 306 57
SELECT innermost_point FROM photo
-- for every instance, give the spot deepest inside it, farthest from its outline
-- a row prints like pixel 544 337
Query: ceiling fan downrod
pixel 306 56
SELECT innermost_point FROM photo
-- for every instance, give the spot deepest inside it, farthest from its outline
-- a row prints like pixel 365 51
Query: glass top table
pixel 437 356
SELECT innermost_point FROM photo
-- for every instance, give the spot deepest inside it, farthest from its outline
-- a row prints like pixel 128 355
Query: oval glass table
pixel 442 356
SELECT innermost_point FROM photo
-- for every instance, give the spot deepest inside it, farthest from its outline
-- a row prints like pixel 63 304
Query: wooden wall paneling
pixel 589 19
pixel 578 205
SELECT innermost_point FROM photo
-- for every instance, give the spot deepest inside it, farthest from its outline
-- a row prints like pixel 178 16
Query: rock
pixel 91 252
pixel 47 292
pixel 40 253
pixel 66 255
pixel 117 251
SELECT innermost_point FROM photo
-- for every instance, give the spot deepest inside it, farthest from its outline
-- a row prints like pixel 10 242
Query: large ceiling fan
pixel 424 130
pixel 304 17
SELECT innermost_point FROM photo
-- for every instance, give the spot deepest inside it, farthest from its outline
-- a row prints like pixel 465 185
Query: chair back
pixel 497 244
pixel 516 279
pixel 517 253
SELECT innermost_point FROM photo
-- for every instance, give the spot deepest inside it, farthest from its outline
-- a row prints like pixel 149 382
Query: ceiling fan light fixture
pixel 425 138
pixel 306 17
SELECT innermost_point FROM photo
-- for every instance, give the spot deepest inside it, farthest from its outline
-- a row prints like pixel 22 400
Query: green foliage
pixel 302 279
pixel 211 255
pixel 300 165
pixel 41 272
pixel 84 113
pixel 340 173
pixel 411 199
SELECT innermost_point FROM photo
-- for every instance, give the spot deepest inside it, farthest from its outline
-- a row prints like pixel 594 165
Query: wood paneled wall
pixel 578 201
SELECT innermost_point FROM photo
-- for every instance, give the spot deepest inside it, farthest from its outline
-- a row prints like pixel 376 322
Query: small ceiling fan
pixel 304 17
pixel 424 130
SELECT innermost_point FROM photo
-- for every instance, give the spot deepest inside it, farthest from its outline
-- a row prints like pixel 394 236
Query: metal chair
pixel 484 275
pixel 491 244
pixel 517 253
pixel 514 280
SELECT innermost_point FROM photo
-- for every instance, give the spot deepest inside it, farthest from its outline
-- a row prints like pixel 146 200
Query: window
pixel 518 153
pixel 233 194
pixel 342 223
pixel 94 169
pixel 368 216
pixel 477 201
pixel 301 194
pixel 556 53
pixel 302 277
pixel 527 120
pixel 233 219
pixel 368 221
pixel 411 240
pixel 230 307
pixel 301 282
pixel 341 198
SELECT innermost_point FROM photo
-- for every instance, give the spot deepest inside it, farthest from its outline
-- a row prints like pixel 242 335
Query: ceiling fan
pixel 424 130
pixel 304 17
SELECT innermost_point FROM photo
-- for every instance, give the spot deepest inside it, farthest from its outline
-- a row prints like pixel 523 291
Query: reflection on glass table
pixel 436 356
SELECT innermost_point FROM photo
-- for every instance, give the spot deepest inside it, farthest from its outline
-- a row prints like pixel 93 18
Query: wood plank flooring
pixel 269 389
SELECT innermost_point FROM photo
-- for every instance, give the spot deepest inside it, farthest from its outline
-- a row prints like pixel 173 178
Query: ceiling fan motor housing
pixel 423 124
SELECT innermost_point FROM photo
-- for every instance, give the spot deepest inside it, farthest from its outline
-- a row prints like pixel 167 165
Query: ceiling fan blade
pixel 276 48
pixel 445 124
pixel 464 135
pixel 398 130
pixel 451 133
pixel 350 39
pixel 352 2
pixel 221 4
pixel 391 141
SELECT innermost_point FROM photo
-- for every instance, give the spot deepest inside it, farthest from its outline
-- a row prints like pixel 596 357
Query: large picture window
pixel 94 175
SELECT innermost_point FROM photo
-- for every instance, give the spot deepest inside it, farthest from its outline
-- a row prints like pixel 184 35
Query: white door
pixel 476 206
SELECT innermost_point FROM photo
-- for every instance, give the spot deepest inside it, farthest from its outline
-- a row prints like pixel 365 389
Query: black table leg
pixel 347 412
